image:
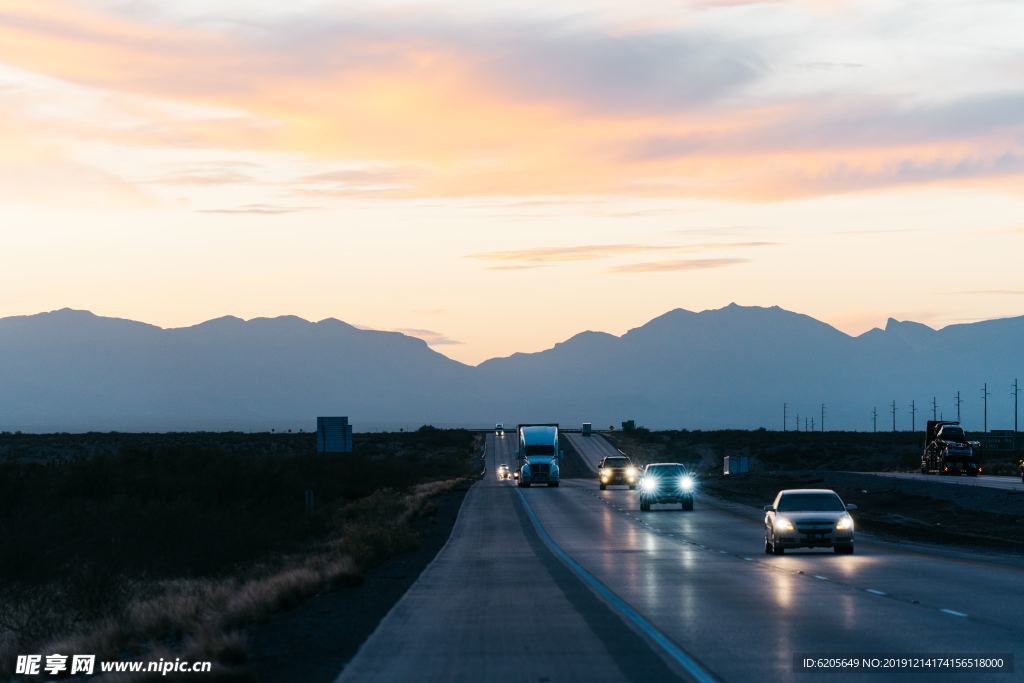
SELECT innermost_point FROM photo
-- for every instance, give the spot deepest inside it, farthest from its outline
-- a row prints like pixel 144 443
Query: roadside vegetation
pixel 147 546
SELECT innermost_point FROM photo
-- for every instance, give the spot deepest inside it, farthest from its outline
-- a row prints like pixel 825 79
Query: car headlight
pixel 649 484
pixel 845 522
pixel 631 472
pixel 783 524
pixel 686 482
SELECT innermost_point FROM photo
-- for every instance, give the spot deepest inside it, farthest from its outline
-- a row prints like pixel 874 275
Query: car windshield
pixel 810 502
pixel 616 462
pixel 952 433
pixel 540 449
pixel 666 470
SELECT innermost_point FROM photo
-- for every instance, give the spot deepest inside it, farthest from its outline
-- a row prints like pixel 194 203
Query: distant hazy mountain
pixel 731 367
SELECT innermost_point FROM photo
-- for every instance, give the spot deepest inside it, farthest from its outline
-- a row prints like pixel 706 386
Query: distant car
pixel 499 429
pixel 808 518
pixel 503 472
pixel 666 482
pixel 617 469
pixel 515 474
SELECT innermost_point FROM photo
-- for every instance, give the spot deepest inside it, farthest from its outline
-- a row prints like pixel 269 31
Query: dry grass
pixel 202 619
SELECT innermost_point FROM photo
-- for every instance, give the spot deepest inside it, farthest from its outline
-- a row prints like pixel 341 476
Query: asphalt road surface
pixel 986 480
pixel 575 584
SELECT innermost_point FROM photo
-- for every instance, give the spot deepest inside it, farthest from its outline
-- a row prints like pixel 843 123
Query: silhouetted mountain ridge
pixel 728 367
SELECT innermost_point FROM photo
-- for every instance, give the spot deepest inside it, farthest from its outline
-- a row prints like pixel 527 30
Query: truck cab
pixel 539 455
pixel 947 450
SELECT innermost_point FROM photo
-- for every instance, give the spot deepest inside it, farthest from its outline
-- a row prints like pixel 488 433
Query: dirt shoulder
pixel 314 641
pixel 914 511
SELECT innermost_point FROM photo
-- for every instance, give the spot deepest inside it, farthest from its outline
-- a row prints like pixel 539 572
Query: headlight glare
pixel 845 522
pixel 649 484
pixel 783 524
pixel 686 482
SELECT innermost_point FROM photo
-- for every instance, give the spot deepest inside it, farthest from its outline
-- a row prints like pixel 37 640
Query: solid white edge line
pixel 690 665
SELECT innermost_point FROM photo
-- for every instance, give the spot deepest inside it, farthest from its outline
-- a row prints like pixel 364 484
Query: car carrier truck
pixel 947 450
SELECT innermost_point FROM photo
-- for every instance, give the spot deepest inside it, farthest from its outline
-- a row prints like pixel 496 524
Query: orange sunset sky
pixel 495 177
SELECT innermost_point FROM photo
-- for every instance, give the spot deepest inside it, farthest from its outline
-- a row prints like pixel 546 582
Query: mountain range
pixel 734 367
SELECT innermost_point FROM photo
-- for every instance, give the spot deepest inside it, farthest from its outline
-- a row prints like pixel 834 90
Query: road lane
pixel 722 586
pixel 496 605
pixel 986 480
pixel 592 449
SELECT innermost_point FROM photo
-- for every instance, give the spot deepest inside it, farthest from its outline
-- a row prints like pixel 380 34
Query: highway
pixel 986 480
pixel 573 583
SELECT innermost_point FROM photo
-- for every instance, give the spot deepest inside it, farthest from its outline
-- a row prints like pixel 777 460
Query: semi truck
pixel 947 450
pixel 538 454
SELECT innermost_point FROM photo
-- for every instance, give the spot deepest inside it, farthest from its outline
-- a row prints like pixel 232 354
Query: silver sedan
pixel 808 518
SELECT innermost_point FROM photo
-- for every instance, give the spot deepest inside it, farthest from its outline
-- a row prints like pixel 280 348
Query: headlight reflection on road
pixel 783 590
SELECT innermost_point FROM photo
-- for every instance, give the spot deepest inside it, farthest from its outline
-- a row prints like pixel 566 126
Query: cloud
pixel 545 256
pixel 261 209
pixel 588 252
pixel 678 264
pixel 444 104
pixel 202 178
pixel 430 336
pixel 991 292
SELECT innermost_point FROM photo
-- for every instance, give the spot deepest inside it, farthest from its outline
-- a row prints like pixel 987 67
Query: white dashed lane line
pixel 953 613
pixel 874 591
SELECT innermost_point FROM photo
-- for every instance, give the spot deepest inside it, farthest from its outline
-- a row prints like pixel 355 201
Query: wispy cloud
pixel 589 252
pixel 990 292
pixel 430 336
pixel 201 178
pixel 593 252
pixel 261 209
pixel 678 264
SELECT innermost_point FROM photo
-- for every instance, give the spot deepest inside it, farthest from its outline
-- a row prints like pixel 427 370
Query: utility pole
pixel 805 424
pixel 874 419
pixel 893 409
pixel 913 416
pixel 1016 397
pixel 935 409
pixel 984 398
pixel 785 416
pixel 822 418
pixel 812 424
pixel 958 406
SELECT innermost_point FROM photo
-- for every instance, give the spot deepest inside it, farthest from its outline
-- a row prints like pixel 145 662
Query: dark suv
pixel 666 482
pixel 617 469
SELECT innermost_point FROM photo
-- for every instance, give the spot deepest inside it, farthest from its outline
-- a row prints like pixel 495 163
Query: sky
pixel 496 177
